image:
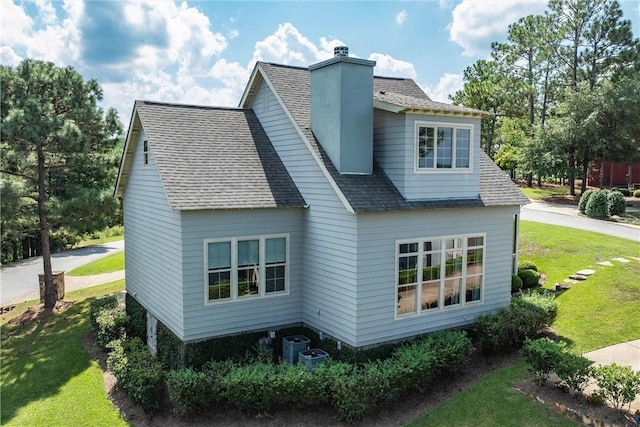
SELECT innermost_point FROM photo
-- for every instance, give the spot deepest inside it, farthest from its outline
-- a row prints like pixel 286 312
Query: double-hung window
pixel 443 147
pixel 437 273
pixel 242 268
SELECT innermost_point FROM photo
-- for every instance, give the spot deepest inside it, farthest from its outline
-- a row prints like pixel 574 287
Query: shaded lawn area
pixel 47 376
pixel 107 264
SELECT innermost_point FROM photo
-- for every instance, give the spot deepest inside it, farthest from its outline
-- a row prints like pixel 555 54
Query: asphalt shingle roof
pixel 376 192
pixel 215 158
pixel 410 102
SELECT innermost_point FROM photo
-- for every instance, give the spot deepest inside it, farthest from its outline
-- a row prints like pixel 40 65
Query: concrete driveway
pixel 22 278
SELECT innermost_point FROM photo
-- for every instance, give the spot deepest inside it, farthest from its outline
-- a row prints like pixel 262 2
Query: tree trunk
pixel 49 291
pixel 571 178
pixel 601 174
pixel 529 179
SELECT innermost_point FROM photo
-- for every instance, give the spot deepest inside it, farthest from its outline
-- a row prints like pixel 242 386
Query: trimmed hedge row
pixel 602 204
pixel 109 321
pixel 352 389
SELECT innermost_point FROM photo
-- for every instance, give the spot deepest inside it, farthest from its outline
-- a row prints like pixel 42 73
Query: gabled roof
pixel 211 158
pixel 375 192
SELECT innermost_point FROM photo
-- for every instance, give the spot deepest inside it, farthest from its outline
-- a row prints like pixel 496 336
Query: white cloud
pixel 15 23
pixel 401 17
pixel 9 57
pixel 449 84
pixel 390 67
pixel 477 23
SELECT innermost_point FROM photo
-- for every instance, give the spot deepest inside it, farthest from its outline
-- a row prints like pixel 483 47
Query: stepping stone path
pixel 584 274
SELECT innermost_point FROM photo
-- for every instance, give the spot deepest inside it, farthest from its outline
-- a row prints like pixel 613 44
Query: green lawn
pixel 47 377
pixel 108 264
pixel 492 401
pixel 539 193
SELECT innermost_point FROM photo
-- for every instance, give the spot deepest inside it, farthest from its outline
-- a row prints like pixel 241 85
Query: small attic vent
pixel 341 51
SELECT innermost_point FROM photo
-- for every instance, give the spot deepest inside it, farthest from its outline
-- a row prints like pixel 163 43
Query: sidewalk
pixel 624 354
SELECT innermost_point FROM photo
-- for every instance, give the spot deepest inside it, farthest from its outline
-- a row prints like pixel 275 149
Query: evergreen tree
pixel 61 148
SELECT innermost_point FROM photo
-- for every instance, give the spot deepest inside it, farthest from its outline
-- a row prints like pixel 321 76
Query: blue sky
pixel 202 52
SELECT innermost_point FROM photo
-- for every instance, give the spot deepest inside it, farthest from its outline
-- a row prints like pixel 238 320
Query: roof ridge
pixel 182 105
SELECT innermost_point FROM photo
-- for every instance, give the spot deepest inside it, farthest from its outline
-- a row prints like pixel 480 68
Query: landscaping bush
pixel 137 371
pixel 99 304
pixel 636 194
pixel 584 199
pixel 541 355
pixel 619 385
pixel 625 191
pixel 507 329
pixel 616 203
pixel 597 206
pixel 111 324
pixel 516 283
pixel 574 370
pixel 137 318
pixel 189 390
pixel 529 278
pixel 526 265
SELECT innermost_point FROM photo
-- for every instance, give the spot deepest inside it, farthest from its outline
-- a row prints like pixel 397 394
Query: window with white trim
pixel 443 146
pixel 435 274
pixel 242 268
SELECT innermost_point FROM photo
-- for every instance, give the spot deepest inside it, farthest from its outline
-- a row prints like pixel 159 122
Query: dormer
pixel 430 150
pixel 342 110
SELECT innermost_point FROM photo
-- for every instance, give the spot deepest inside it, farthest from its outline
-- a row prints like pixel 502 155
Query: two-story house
pixel 333 198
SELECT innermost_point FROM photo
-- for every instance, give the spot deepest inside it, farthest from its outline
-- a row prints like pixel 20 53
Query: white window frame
pixel 419 279
pixel 453 169
pixel 262 292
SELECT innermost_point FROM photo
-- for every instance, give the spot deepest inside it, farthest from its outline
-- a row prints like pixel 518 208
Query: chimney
pixel 342 110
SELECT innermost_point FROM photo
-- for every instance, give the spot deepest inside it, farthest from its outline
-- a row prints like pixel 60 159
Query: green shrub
pixel 169 349
pixel 249 388
pixel 530 278
pixel 597 206
pixel 625 191
pixel 137 371
pixel 584 199
pixel 616 203
pixel 137 318
pixel 541 355
pixel 507 329
pixel 573 370
pixel 516 283
pixel 636 194
pixel 111 324
pixel 526 265
pixel 99 304
pixel 189 390
pixel 619 385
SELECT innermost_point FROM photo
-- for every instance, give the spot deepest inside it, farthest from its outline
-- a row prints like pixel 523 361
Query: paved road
pixel 567 216
pixel 22 278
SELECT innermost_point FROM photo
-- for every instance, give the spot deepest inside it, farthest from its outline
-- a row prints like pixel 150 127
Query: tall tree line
pixel 563 88
pixel 60 155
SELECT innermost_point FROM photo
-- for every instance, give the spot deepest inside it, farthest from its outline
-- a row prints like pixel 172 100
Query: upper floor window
pixel 443 146
pixel 438 273
pixel 245 268
pixel 145 153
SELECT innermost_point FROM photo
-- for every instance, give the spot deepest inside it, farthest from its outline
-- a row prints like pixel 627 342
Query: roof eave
pixel 127 154
pixel 251 87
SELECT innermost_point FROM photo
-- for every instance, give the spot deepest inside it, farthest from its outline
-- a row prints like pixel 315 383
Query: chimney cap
pixel 340 51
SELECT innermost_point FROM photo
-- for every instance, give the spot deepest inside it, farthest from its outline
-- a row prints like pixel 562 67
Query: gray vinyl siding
pixel 153 253
pixel 203 320
pixel 394 150
pixel 377 236
pixel 329 243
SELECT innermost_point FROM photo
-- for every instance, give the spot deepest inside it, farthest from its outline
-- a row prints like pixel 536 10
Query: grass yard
pixel 493 401
pixel 47 377
pixel 108 264
pixel 540 193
